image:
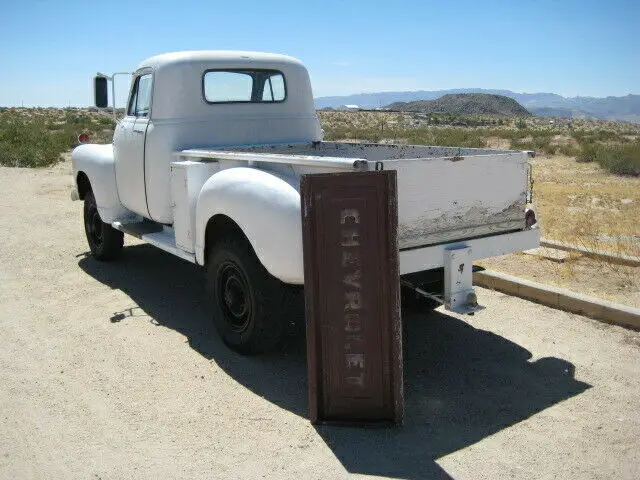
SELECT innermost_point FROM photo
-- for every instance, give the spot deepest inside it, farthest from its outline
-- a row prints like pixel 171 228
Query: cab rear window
pixel 244 86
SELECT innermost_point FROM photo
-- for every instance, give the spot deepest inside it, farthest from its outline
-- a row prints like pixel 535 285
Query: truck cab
pixel 206 164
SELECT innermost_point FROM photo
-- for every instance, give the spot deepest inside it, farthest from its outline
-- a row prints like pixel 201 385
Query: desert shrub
pixel 587 152
pixel 540 141
pixel 38 137
pixel 621 159
pixel 106 122
pixel 28 145
pixel 569 150
pixel 446 137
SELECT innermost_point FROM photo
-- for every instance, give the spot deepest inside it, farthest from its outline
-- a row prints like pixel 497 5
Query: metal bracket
pixel 111 78
pixel 459 296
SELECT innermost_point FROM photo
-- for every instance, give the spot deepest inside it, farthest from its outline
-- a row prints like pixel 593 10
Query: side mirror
pixel 100 90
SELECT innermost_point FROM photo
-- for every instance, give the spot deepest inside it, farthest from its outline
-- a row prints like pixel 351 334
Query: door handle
pixel 138 131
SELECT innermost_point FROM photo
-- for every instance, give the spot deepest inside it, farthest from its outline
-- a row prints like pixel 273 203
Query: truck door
pixel 129 146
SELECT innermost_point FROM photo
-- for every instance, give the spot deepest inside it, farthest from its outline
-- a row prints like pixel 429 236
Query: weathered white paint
pixel 128 153
pixel 458 283
pixel 285 158
pixel 164 240
pixel 245 160
pixel 266 206
pixel 187 179
pixel 428 258
pixel 444 193
pixel 96 161
pixel 180 118
pixel 440 200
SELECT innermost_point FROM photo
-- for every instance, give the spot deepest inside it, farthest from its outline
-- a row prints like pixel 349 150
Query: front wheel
pixel 104 241
pixel 253 311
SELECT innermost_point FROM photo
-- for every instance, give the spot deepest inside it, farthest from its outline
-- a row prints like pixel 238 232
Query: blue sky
pixel 49 50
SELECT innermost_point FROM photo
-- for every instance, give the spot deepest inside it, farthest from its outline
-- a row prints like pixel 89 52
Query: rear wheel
pixel 253 311
pixel 104 241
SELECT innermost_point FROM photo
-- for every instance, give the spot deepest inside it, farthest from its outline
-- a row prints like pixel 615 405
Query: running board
pixel 157 235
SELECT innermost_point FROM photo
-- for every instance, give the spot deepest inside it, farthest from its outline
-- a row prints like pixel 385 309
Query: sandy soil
pixel 113 371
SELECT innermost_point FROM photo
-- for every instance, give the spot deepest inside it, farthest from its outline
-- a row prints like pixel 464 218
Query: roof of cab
pixel 216 56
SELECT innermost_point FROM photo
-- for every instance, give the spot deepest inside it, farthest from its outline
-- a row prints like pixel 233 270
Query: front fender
pixel 266 206
pixel 97 163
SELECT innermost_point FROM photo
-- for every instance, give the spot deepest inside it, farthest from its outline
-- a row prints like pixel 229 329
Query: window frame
pixel 246 71
pixel 134 95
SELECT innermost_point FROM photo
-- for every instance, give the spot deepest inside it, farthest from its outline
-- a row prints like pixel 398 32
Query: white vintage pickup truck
pixel 206 165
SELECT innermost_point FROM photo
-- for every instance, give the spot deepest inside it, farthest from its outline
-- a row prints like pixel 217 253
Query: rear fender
pixel 97 164
pixel 266 206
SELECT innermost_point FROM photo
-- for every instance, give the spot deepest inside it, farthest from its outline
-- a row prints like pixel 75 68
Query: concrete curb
pixel 589 252
pixel 560 298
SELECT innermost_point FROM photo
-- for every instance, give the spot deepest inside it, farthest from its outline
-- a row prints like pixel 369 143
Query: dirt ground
pixel 589 276
pixel 113 371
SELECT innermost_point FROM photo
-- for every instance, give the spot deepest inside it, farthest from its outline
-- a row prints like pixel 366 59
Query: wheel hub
pixel 95 227
pixel 235 296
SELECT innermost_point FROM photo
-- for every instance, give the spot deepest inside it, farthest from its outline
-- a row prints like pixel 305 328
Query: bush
pixel 623 159
pixel 620 159
pixel 569 150
pixel 538 141
pixel 446 137
pixel 28 145
pixel 38 137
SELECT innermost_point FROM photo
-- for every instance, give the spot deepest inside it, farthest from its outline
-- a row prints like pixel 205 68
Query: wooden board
pixel 354 334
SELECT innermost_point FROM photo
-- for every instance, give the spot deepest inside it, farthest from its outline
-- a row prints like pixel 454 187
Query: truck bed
pixel 444 193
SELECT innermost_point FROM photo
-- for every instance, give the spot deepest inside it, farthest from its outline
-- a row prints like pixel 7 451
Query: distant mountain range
pixel 625 108
pixel 465 104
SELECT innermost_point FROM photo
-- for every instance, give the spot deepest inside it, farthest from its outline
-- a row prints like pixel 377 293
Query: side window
pixel 143 106
pixel 140 102
pixel 131 109
pixel 273 88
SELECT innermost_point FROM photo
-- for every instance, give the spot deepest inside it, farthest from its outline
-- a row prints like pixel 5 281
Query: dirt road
pixel 113 371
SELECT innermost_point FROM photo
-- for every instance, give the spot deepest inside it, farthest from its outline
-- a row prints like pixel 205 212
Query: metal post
pixel 458 281
pixel 113 96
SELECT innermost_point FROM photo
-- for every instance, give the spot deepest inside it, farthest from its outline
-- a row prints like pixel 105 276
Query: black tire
pixel 253 311
pixel 104 241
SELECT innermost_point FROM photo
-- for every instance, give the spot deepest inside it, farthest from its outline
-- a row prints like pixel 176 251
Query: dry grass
pixel 581 203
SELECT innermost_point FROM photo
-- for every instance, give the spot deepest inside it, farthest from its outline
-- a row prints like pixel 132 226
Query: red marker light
pixel 83 137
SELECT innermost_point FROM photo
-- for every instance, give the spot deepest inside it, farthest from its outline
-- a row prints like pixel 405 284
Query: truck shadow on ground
pixel 462 384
